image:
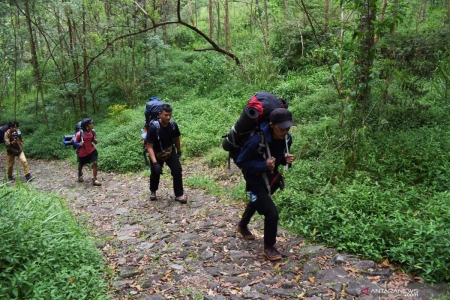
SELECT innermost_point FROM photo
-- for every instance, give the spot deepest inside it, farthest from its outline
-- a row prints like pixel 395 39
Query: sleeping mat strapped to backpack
pixel 256 111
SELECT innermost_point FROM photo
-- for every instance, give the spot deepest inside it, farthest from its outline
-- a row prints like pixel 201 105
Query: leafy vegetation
pixel 44 252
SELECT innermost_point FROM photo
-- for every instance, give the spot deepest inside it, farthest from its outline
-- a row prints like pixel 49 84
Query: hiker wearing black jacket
pixel 259 160
pixel 163 137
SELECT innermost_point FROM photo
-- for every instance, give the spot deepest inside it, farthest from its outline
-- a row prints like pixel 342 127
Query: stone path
pixel 165 250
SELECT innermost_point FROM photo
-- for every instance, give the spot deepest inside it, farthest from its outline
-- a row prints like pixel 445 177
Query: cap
pixel 86 121
pixel 281 117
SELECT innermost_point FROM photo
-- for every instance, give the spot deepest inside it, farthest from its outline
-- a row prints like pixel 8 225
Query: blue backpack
pixel 3 130
pixel 152 110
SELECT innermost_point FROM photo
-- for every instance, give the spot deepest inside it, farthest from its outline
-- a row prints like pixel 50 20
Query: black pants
pixel 264 206
pixel 173 162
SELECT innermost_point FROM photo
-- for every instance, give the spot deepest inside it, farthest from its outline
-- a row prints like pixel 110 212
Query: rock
pixel 146 245
pixel 207 255
pixel 176 267
pixel 338 259
pixel 363 287
pixel 336 275
pixel 365 265
pixel 121 211
pixel 310 250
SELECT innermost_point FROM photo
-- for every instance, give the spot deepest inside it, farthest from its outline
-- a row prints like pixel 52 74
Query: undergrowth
pixel 45 254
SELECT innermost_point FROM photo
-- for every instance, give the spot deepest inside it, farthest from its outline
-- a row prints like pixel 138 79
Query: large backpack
pixel 3 130
pixel 256 111
pixel 152 109
pixel 70 139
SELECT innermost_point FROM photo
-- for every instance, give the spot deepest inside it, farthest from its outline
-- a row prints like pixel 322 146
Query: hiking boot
pixel 246 234
pixel 29 177
pixel 153 196
pixel 11 178
pixel 95 182
pixel 80 178
pixel 272 254
pixel 181 199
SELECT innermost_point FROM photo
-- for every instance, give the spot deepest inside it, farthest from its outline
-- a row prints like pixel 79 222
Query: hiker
pixel 86 151
pixel 260 169
pixel 162 138
pixel 14 148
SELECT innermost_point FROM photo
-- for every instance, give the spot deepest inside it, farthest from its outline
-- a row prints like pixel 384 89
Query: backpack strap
pixel 265 151
pixel 82 135
pixel 158 127
pixel 266 154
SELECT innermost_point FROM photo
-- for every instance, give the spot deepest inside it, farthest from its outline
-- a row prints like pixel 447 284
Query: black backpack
pixel 152 110
pixel 256 111
pixel 3 130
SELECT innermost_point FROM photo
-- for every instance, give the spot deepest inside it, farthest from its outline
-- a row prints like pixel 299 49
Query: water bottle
pixel 143 133
pixel 253 197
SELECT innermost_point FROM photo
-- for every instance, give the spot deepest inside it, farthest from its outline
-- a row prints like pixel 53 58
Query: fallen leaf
pixel 351 269
pixel 254 282
pixel 278 284
pixel 374 278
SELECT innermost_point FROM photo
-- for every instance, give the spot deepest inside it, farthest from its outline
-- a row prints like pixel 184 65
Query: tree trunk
pixel 365 57
pixel 327 15
pixel 83 89
pixel 73 58
pixel 218 22
pixel 211 20
pixel 382 12
pixel 266 27
pixel 448 11
pixel 389 75
pixel 227 27
pixel 304 17
pixel 363 65
pixel 191 14
pixel 13 21
pixel 35 62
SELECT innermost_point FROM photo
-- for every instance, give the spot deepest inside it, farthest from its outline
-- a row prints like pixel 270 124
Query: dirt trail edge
pixel 166 250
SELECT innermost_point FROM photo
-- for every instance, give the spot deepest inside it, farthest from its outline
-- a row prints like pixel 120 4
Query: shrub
pixel 44 252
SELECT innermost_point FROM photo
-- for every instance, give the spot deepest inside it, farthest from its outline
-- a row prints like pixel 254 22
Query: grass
pixel 45 254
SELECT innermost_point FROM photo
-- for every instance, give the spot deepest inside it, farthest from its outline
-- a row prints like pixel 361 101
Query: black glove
pixel 157 167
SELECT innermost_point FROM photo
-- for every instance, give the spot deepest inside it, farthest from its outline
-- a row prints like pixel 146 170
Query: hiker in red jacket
pixel 86 152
